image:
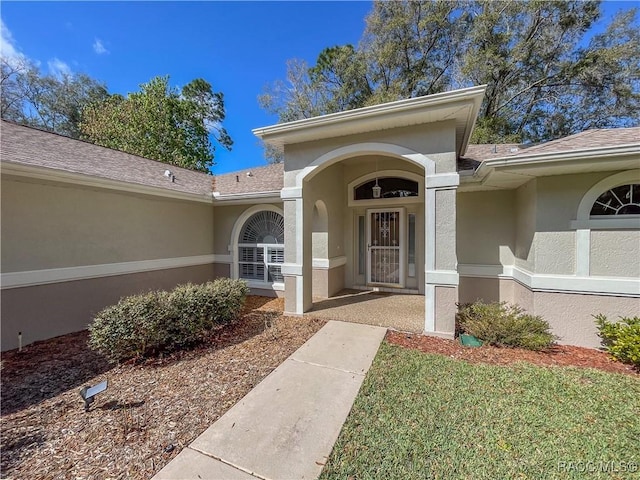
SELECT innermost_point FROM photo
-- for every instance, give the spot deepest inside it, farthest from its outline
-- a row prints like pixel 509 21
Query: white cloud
pixel 58 68
pixel 99 47
pixel 8 48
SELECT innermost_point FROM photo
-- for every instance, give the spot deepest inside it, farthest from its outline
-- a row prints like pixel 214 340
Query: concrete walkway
pixel 286 426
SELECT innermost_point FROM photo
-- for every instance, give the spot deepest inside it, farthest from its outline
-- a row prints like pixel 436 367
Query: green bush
pixel 504 325
pixel 621 339
pixel 131 328
pixel 144 324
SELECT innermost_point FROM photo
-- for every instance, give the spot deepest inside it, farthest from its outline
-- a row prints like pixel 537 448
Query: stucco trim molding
pixel 329 263
pixel 291 269
pixel 443 180
pixel 619 286
pixel 387 201
pixel 366 148
pixel 442 277
pixel 66 274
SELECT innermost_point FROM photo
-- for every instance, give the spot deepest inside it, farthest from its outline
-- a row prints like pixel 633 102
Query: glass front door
pixel 386 247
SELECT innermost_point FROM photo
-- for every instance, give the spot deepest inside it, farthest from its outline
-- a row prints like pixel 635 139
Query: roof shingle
pixel 31 146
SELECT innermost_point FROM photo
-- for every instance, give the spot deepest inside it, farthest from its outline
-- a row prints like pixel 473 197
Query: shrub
pixel 131 328
pixel 143 324
pixel 505 325
pixel 229 297
pixel 621 339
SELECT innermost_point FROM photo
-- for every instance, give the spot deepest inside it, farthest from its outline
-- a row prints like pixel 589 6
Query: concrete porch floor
pixel 400 311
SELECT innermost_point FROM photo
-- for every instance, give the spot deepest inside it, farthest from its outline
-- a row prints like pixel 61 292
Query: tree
pixel 547 76
pixel 162 123
pixel 53 103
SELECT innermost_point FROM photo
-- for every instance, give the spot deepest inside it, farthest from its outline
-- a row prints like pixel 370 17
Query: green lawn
pixel 422 416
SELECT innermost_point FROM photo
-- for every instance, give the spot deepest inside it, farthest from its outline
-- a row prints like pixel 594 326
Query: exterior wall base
pixel 327 281
pixel 569 314
pixel 41 312
pixel 447 335
pixel 265 292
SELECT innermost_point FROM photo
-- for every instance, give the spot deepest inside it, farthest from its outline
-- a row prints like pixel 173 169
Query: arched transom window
pixel 390 187
pixel 621 200
pixel 261 247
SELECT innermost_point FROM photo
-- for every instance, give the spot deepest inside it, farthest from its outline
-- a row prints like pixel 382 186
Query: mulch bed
pixel 153 409
pixel 558 355
pixel 150 411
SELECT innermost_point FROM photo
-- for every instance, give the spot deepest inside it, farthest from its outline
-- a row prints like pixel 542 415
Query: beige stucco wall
pixel 327 188
pixel 45 311
pixel 525 226
pixel 571 315
pixel 434 140
pixel 327 281
pixel 445 312
pixel 48 225
pixel 485 227
pixel 615 253
pixel 446 258
pixel 546 239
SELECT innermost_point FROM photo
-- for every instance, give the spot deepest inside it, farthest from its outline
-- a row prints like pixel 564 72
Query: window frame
pixel 236 245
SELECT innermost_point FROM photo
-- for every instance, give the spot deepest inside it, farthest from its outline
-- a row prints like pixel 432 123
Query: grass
pixel 423 416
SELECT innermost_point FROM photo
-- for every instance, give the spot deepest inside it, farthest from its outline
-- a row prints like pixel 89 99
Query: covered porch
pixel 369 203
pixel 402 312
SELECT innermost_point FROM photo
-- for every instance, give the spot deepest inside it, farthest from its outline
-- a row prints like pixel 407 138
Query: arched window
pixel 621 200
pixel 261 247
pixel 391 187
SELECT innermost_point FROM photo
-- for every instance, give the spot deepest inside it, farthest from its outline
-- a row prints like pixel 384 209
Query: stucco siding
pixel 525 226
pixel 327 192
pixel 435 140
pixel 555 253
pixel 615 253
pixel 45 311
pixel 48 225
pixel 485 227
pixel 472 289
pixel 571 315
pixel 445 311
pixel 446 230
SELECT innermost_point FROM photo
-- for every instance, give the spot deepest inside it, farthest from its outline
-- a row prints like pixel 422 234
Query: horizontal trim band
pixel 67 274
pixel 291 193
pixel 441 277
pixel 555 283
pixel 443 180
pixel 329 263
pixel 291 269
pixel 277 287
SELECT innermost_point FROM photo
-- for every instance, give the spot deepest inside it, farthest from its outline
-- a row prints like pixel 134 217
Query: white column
pixel 297 268
pixel 437 276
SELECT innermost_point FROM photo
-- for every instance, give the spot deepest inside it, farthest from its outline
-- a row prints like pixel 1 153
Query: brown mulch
pixel 150 411
pixel 558 355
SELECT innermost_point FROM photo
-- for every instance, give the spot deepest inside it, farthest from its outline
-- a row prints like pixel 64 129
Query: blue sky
pixel 238 47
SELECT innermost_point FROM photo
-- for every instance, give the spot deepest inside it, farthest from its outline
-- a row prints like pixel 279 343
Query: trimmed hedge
pixel 146 324
pixel 621 339
pixel 504 325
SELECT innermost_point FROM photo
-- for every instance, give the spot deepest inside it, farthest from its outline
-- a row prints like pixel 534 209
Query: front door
pixel 386 247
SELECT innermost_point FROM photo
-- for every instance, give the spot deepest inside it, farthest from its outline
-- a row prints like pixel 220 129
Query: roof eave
pixel 362 120
pixel 55 175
